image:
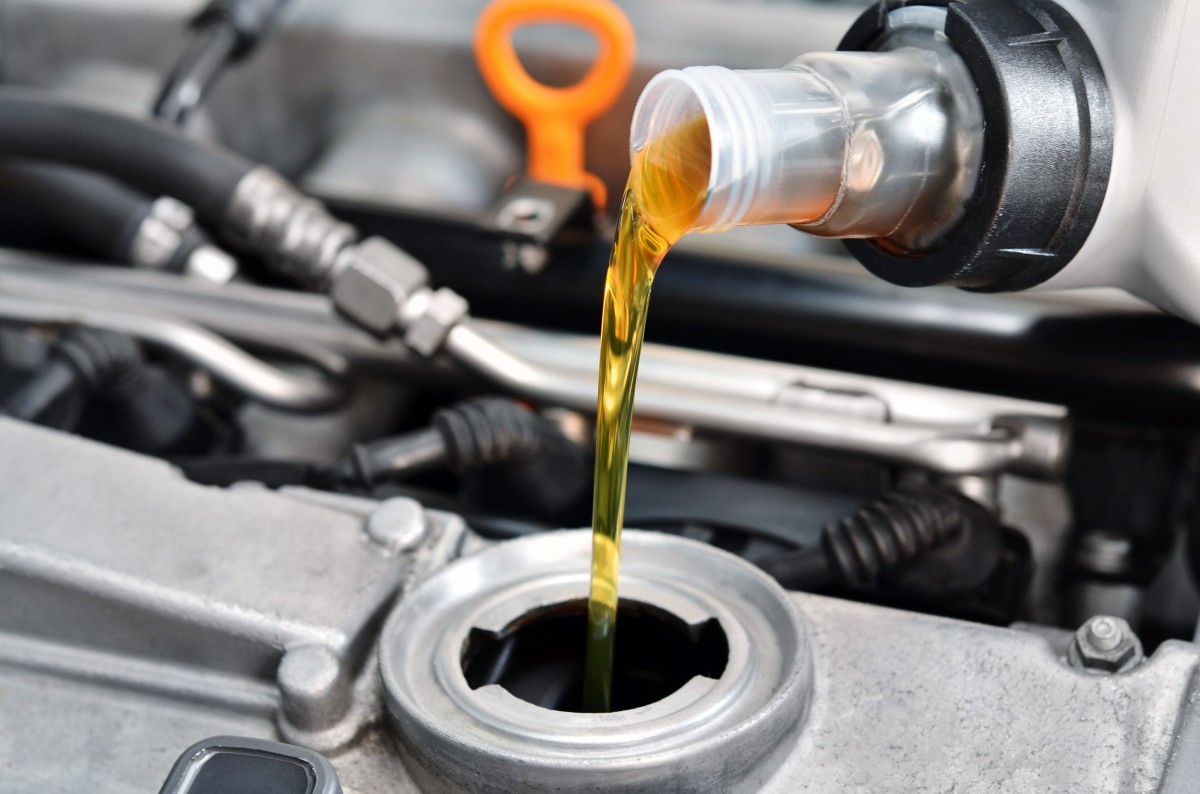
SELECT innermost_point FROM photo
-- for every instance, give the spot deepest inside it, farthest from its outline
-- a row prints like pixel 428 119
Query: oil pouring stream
pixel 667 187
pixel 882 145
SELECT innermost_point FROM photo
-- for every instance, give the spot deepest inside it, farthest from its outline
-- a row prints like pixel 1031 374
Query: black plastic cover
pixel 1047 150
pixel 240 765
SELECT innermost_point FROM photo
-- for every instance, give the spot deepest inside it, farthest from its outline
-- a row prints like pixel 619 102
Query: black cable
pixel 224 32
pixel 97 383
pixel 45 388
pixel 208 52
pixel 394 458
pixel 99 213
pixel 881 537
pixel 152 157
pixel 469 435
pixel 223 471
pixel 97 362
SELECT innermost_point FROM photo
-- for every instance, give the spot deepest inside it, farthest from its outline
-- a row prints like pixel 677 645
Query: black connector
pixel 224 32
pixel 110 387
pixel 469 435
pixel 94 362
pixel 924 539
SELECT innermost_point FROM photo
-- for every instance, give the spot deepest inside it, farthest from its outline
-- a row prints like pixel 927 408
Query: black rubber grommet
pixel 1047 147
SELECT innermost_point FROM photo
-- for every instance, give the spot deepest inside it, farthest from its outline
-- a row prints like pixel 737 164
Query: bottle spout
pixel 883 145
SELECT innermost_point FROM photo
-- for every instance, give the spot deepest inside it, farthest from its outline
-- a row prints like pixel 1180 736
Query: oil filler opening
pixel 539 657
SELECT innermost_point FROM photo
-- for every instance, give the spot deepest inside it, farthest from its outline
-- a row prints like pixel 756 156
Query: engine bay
pixel 299 335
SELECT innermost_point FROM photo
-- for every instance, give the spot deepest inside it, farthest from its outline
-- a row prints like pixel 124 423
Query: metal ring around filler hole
pixel 710 735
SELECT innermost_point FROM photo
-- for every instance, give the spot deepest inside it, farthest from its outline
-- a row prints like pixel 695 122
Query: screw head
pixel 398 524
pixel 1104 633
pixel 1105 644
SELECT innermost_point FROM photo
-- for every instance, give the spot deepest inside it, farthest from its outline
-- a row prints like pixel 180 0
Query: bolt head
pixel 431 322
pixel 398 524
pixel 1105 644
pixel 374 282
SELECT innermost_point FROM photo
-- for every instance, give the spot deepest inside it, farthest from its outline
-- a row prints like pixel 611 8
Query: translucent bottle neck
pixel 881 145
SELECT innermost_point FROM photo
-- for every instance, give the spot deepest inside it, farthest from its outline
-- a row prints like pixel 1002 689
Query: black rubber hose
pixel 880 537
pixel 98 213
pixel 102 216
pixel 223 471
pixel 98 362
pixel 150 156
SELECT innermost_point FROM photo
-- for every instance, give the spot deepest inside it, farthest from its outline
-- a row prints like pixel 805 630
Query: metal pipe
pixel 943 451
pixel 951 432
pixel 226 362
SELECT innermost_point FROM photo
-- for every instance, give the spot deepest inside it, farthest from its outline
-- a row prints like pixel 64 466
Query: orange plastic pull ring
pixel 555 118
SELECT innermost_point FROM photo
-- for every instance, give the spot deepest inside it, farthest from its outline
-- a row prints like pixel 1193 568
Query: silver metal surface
pixel 430 318
pixel 398 524
pixel 160 612
pixel 226 362
pixel 912 703
pixel 526 214
pixel 294 233
pixel 1105 552
pixel 160 233
pixel 114 551
pixel 140 613
pixel 312 682
pixel 711 735
pixel 212 264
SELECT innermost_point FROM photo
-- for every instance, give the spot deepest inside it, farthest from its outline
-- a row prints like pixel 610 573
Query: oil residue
pixel 667 186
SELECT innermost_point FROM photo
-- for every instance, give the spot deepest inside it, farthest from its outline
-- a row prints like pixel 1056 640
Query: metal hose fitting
pixel 294 234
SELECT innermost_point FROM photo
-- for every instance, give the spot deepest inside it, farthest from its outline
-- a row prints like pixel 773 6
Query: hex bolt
pixel 1105 644
pixel 1104 633
pixel 398 524
pixel 315 692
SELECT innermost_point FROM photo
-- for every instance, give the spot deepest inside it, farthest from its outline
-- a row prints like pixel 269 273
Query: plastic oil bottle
pixel 867 144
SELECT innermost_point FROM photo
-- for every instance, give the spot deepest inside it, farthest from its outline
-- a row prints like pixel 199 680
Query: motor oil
pixel 667 187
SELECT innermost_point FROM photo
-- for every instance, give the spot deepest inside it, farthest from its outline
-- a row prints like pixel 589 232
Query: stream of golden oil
pixel 668 184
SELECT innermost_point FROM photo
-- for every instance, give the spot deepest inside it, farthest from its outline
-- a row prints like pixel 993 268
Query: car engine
pixel 300 304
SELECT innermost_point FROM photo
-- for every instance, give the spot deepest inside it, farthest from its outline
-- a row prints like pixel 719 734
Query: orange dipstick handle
pixel 555 118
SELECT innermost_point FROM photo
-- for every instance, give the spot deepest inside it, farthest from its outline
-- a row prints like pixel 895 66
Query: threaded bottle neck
pixel 882 145
pixel 756 120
